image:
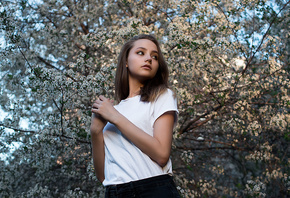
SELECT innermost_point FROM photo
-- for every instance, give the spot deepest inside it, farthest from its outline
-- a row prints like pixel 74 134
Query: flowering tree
pixel 229 65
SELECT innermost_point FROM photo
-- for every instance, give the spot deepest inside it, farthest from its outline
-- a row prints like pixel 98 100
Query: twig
pixel 35 132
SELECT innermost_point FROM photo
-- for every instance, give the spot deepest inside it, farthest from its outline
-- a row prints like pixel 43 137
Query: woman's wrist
pixel 97 124
pixel 116 119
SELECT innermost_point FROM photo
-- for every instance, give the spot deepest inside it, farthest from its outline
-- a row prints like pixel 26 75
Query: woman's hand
pixel 97 122
pixel 104 107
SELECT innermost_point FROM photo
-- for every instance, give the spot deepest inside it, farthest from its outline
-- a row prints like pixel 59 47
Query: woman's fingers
pixel 102 98
pixel 104 107
pixel 98 103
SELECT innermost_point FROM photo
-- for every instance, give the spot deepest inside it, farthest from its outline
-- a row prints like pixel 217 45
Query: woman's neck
pixel 134 88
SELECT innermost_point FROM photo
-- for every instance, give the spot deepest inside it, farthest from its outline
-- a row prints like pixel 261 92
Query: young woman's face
pixel 142 60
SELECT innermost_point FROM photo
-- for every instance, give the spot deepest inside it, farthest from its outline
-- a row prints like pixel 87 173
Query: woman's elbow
pixel 101 178
pixel 93 130
pixel 162 161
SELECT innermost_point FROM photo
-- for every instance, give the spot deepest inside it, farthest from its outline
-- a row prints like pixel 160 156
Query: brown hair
pixel 153 87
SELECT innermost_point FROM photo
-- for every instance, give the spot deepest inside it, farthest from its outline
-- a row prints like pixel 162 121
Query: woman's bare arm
pixel 98 150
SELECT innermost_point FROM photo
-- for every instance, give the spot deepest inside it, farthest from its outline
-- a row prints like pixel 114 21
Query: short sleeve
pixel 164 103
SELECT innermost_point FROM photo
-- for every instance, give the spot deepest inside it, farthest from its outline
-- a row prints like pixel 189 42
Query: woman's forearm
pixel 98 149
pixel 98 153
pixel 157 147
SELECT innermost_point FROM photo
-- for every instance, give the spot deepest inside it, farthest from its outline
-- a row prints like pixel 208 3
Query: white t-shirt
pixel 124 162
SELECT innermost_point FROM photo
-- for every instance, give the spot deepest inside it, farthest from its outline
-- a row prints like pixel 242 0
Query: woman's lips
pixel 147 67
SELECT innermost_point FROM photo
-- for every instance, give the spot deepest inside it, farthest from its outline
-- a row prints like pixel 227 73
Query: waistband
pixel 155 179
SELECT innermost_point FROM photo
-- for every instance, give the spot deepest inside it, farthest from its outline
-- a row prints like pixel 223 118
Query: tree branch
pixel 246 85
pixel 190 124
pixel 221 10
pixel 16 129
pixel 84 28
pixel 35 132
pixel 130 14
pixel 263 38
pixel 54 67
pixel 212 148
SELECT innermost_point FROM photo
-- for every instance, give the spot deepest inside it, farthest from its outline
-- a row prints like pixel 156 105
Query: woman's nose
pixel 148 58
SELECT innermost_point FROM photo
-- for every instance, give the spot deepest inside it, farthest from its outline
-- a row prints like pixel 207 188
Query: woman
pixel 131 141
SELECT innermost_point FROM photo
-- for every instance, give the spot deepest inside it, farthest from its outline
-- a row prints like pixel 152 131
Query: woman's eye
pixel 155 57
pixel 140 53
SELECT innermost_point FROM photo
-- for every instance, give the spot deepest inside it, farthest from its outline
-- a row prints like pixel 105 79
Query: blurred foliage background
pixel 229 66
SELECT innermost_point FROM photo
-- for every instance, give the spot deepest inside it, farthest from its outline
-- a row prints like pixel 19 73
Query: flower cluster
pixel 255 188
pixel 264 154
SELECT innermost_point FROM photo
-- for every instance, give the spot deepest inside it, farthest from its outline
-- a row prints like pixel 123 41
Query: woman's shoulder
pixel 166 94
pixel 169 92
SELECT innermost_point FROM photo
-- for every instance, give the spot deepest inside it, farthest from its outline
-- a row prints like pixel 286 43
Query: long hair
pixel 152 87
